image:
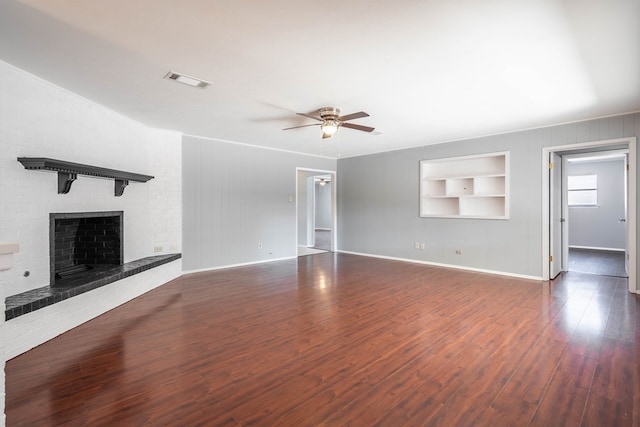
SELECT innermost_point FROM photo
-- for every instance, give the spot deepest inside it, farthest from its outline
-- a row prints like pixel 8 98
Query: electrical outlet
pixel 259 245
pixel 422 246
pixel 416 245
pixel 157 249
pixel 173 247
pixel 458 251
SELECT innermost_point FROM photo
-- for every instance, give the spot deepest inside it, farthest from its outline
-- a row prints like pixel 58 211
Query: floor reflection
pixel 592 307
pixel 101 369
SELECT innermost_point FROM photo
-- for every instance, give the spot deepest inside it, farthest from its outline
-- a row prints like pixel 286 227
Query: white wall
pixel 3 358
pixel 598 226
pixel 39 119
pixel 43 120
pixel 236 196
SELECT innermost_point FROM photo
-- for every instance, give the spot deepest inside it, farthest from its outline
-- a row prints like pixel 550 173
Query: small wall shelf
pixel 68 172
pixel 465 187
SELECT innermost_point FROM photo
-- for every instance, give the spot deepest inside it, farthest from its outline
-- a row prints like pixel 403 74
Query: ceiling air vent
pixel 188 80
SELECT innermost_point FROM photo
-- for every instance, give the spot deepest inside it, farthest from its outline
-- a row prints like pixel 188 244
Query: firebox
pixel 82 244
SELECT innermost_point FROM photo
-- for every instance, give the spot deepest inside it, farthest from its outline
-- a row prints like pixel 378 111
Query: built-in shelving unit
pixel 465 187
pixel 69 171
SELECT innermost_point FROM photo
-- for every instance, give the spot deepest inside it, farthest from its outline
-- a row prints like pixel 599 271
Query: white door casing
pixel 630 143
pixel 555 215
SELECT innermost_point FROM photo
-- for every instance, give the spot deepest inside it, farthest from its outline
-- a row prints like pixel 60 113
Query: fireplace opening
pixel 83 244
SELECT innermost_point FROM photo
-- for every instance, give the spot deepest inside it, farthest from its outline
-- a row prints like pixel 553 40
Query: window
pixel 582 190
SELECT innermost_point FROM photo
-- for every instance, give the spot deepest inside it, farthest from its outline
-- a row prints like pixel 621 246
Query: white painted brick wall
pixel 164 191
pixel 39 119
pixel 2 354
pixel 32 329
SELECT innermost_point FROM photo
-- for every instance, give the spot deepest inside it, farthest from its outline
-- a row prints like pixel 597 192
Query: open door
pixel 556 223
pixel 626 214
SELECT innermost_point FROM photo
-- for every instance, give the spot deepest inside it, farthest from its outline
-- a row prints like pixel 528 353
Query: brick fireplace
pixel 46 120
pixel 82 244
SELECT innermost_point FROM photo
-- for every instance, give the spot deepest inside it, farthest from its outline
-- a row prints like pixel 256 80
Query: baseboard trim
pixel 595 248
pixel 414 261
pixel 455 267
pixel 242 264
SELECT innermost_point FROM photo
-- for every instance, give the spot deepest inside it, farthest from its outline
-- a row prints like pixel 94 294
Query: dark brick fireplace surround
pixel 82 243
pixel 86 253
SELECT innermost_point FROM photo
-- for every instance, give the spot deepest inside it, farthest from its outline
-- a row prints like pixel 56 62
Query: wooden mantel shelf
pixel 68 172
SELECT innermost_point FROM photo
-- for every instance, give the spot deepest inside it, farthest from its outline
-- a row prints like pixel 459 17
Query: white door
pixel 564 215
pixel 556 221
pixel 626 214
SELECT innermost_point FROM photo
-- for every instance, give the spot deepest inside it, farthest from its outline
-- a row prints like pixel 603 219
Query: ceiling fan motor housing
pixel 329 113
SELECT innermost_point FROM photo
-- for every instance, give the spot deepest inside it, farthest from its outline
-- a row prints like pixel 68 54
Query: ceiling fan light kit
pixel 330 120
pixel 329 127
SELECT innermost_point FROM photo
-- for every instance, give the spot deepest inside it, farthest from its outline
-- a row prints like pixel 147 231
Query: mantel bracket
pixel 120 185
pixel 65 179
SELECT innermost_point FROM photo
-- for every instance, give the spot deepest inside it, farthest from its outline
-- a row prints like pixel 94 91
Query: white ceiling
pixel 426 71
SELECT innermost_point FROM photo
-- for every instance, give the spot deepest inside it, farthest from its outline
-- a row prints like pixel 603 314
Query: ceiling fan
pixel 330 120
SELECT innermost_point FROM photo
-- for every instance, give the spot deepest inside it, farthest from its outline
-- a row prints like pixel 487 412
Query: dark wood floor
pixel 604 263
pixel 336 339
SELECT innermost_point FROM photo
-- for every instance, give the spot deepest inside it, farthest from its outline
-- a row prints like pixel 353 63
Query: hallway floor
pixel 603 263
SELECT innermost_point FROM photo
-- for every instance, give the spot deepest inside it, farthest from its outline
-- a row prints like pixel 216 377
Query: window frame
pixel 583 187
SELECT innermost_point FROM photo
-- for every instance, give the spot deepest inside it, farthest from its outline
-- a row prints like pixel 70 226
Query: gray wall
pixel 235 196
pixel 323 205
pixel 378 201
pixel 598 227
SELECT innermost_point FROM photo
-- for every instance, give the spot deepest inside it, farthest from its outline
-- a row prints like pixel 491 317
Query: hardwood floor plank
pixel 564 399
pixel 482 380
pixel 507 410
pixel 601 411
pixel 536 370
pixel 614 372
pixel 589 334
pixel 336 339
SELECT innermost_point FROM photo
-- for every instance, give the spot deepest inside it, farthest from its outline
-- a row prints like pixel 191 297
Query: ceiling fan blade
pixel 303 126
pixel 310 116
pixel 357 127
pixel 352 116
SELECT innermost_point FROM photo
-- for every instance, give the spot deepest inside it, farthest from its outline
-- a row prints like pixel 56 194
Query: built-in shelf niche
pixel 465 187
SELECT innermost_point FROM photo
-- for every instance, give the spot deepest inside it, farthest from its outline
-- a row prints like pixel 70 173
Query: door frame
pixel 628 143
pixel 334 212
pixel 557 213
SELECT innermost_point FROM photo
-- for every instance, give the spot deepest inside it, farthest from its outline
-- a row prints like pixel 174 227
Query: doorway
pixel 595 199
pixel 316 211
pixel 555 239
pixel 323 187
